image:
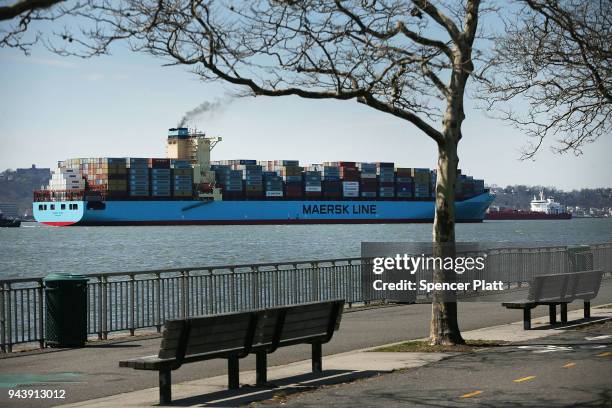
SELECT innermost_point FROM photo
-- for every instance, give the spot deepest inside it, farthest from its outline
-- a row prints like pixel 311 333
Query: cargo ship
pixel 188 188
pixel 540 209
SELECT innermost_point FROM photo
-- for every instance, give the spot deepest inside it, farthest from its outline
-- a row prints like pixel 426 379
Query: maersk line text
pixel 339 209
pixel 444 286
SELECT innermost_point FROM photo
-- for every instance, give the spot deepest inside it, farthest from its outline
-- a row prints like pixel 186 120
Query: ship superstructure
pixel 546 205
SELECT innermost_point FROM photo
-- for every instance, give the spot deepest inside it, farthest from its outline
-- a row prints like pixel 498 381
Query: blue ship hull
pixel 251 212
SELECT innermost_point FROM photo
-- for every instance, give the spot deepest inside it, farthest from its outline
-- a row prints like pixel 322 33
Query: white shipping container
pixel 274 193
pixel 350 187
pixel 350 193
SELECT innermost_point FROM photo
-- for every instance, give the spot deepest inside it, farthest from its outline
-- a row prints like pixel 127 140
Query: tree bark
pixel 444 327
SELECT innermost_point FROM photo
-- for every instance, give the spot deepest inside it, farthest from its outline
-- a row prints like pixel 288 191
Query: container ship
pixel 187 187
pixel 541 209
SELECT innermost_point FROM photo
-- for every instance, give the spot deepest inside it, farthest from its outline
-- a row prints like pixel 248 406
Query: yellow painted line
pixel 605 354
pixel 471 394
pixel 569 365
pixel 529 378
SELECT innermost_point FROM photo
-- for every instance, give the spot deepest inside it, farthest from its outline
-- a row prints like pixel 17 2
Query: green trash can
pixel 580 258
pixel 66 318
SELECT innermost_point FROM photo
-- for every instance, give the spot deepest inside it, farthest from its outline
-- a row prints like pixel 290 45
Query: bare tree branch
pixel 23 6
pixel 556 58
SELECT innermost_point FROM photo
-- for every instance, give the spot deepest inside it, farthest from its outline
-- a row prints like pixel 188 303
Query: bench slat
pixel 299 315
pixel 200 330
pixel 172 344
pixel 236 346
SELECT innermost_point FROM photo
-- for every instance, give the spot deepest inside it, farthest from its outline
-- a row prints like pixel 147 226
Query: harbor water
pixel 36 250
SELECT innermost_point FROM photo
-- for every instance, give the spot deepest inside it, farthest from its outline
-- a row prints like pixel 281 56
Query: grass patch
pixel 604 306
pixel 425 347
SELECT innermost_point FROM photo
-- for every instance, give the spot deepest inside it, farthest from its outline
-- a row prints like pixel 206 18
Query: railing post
pixel 99 305
pixel 255 287
pixel 210 290
pixel 158 301
pixel 334 280
pixel 184 294
pixel 294 280
pixel 132 323
pixel 103 311
pixel 2 319
pixel 351 287
pixel 9 320
pixel 41 307
pixel 233 300
pixel 316 283
pixel 276 286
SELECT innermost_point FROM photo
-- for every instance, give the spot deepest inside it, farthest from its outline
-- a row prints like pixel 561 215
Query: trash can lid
pixel 65 277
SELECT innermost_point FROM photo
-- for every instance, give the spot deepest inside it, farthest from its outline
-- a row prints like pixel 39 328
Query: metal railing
pixel 128 301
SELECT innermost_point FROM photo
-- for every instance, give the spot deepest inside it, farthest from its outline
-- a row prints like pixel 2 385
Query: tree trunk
pixel 444 328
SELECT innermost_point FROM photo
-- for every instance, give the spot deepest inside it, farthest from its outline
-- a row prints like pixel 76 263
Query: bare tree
pixel 19 16
pixel 556 58
pixel 409 59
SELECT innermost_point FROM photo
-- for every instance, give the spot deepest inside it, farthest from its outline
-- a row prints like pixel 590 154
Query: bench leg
pixel 233 373
pixel 261 368
pixel 563 312
pixel 587 310
pixel 552 314
pixel 165 387
pixel 317 358
pixel 527 318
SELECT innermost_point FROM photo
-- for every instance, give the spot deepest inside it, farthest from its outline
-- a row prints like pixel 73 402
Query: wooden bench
pixel 235 335
pixel 558 289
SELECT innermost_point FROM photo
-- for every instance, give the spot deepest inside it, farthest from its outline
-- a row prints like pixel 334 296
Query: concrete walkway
pixel 339 368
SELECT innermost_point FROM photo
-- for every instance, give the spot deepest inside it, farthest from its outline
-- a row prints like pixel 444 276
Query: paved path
pixel 570 369
pixel 93 372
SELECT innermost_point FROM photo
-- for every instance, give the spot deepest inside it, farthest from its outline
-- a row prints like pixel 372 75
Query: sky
pixel 53 108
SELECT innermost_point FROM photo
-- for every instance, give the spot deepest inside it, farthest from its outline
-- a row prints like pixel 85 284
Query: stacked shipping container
pixel 182 178
pixel 404 183
pixel 368 182
pixel 340 180
pixel 135 178
pixel 421 178
pixel 140 178
pixel 386 180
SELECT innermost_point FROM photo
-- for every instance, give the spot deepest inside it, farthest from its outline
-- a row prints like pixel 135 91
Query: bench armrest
pixel 149 363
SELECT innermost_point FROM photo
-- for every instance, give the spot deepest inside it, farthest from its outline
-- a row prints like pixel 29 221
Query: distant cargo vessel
pixel 187 188
pixel 541 209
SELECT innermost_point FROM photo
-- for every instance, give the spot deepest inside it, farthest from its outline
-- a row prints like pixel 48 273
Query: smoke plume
pixel 204 109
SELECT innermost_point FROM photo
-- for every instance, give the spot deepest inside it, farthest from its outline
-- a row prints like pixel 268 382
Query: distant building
pixel 34 171
pixel 9 210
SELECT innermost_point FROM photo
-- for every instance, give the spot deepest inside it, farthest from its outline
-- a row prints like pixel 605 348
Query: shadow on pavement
pixel 118 345
pixel 600 398
pixel 276 390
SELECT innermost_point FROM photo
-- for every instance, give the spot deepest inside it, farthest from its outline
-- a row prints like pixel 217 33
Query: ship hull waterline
pixel 252 212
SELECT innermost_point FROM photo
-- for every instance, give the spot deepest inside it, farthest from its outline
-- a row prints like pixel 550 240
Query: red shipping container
pixel 159 163
pixel 369 185
pixel 313 194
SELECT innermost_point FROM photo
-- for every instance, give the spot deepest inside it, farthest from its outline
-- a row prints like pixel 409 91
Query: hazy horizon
pixel 57 108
